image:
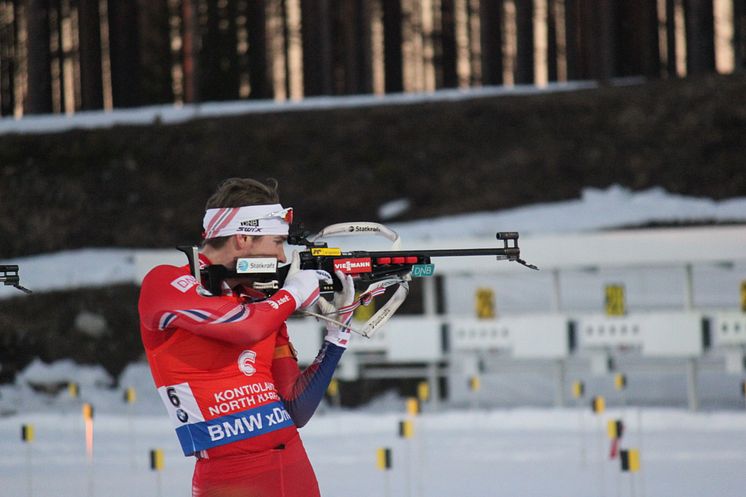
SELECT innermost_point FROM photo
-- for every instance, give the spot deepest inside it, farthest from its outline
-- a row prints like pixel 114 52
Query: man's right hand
pixel 303 285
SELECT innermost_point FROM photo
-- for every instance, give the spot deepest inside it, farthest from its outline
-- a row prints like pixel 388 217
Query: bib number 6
pixel 176 402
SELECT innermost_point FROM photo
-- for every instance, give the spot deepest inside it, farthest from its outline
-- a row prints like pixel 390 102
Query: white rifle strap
pixel 380 317
pixel 359 228
pixel 389 308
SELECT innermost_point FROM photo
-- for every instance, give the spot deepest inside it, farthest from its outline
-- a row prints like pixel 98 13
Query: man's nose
pixel 281 254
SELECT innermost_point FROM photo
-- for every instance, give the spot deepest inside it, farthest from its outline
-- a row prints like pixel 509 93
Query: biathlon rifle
pixel 9 277
pixel 372 271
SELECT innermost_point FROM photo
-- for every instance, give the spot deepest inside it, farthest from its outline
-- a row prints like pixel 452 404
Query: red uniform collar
pixel 203 260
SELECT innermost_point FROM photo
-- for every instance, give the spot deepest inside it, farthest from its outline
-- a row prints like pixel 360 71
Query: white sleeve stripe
pixel 238 313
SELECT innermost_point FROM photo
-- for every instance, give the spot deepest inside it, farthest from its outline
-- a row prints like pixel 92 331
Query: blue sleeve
pixel 309 387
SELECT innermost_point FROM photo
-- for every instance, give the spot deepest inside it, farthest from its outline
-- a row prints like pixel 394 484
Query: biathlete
pixel 224 365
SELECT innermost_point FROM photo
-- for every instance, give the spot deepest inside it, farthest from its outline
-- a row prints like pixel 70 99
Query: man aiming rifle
pixel 223 363
pixel 215 336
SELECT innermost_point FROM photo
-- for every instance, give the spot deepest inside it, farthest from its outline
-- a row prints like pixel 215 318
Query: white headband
pixel 271 219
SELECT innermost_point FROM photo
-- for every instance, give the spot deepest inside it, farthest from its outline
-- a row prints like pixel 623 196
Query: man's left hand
pixel 339 335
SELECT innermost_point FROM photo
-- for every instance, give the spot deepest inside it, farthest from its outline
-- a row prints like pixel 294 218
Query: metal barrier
pixel 728 330
pixel 666 334
pixel 430 347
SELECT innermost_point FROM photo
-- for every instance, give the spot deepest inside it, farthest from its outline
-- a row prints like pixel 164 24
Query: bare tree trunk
pixel 739 34
pixel 651 57
pixel 155 52
pixel 257 33
pixel 524 67
pixel 364 48
pixel 189 48
pixel 210 80
pixel 7 58
pixel 124 47
pixel 392 46
pixel 572 40
pixel 671 48
pixel 491 37
pixel 219 74
pixel 39 59
pixel 448 44
pixel 229 48
pixel 317 49
pixel 638 38
pixel 700 36
pixel 603 50
pixel 587 38
pixel 354 46
pixel 551 40
pixel 286 44
pixel 56 18
pixel 91 81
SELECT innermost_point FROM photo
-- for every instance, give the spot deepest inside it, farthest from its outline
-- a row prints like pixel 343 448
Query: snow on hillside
pixel 177 113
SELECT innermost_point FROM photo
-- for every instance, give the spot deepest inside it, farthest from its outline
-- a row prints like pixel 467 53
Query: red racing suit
pixel 227 374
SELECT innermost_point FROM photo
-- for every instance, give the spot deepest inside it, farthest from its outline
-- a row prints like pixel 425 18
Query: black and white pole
pixel 615 429
pixel 156 464
pixel 384 461
pixel 620 385
pixel 630 463
pixel 474 387
pixel 598 406
pixel 424 396
pixel 130 397
pixel 578 392
pixel 406 432
pixel 27 436
pixel 73 391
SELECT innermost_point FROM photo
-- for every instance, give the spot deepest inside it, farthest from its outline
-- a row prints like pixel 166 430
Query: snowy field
pixel 466 451
pixel 521 452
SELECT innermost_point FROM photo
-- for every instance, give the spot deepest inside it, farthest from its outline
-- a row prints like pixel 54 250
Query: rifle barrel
pixel 510 252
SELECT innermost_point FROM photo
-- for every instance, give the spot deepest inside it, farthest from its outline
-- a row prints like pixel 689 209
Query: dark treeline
pixel 69 55
pixel 145 186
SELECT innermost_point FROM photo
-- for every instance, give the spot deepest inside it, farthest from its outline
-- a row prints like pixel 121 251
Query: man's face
pixel 265 246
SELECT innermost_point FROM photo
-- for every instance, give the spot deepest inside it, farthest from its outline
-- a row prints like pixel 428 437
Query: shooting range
pixel 542 205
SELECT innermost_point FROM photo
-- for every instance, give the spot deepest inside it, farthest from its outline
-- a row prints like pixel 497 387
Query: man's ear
pixel 241 242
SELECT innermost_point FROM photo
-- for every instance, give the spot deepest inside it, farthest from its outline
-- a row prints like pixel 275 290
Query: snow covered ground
pixel 455 451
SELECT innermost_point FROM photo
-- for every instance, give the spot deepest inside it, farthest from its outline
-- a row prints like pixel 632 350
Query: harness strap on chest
pixel 285 350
